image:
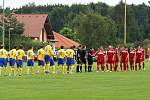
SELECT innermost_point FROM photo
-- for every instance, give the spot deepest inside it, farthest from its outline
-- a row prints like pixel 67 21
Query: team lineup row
pixel 110 58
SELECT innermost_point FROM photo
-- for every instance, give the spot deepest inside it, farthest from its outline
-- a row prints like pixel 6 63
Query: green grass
pixel 81 86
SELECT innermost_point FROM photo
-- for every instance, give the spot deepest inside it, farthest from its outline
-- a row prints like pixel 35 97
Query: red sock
pixel 125 67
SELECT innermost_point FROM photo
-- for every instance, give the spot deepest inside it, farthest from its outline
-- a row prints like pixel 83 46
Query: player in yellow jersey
pixel 40 55
pixel 19 60
pixel 3 60
pixel 61 58
pixel 47 58
pixel 52 62
pixel 12 60
pixel 70 59
pixel 30 60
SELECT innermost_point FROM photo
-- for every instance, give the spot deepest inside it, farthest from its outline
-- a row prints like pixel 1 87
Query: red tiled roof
pixel 33 23
pixel 62 40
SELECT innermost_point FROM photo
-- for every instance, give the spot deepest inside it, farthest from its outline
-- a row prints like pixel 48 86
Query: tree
pixel 69 33
pixel 11 23
pixel 95 31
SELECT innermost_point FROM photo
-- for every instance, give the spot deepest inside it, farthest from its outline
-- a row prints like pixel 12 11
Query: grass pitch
pixel 78 86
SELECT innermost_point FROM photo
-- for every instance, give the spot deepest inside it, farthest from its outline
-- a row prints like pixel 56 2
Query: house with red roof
pixel 38 27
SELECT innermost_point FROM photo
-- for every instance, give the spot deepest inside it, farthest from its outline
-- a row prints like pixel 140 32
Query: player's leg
pixel 121 65
pixel 111 67
pixel 131 66
pixel 116 66
pixel 107 66
pixel 139 64
pixel 52 64
pixel 143 63
pixel 125 66
pixel 102 67
pixel 5 67
pixel 78 66
pixel 1 66
pixel 47 64
pixel 85 65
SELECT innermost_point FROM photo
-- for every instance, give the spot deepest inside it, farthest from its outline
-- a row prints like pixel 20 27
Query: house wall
pixel 43 35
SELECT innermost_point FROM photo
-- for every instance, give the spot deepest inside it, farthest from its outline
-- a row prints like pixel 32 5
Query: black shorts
pixel 90 61
pixel 83 61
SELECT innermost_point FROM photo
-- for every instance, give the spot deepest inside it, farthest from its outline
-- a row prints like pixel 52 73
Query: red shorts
pixel 100 62
pixel 131 62
pixel 142 59
pixel 110 61
pixel 124 61
pixel 116 60
pixel 138 60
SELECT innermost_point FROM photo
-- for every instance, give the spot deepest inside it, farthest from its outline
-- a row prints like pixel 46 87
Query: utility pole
pixel 125 24
pixel 4 23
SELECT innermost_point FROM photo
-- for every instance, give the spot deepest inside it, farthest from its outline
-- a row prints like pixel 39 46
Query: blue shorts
pixel 61 61
pixel 3 62
pixel 47 58
pixel 52 63
pixel 41 63
pixel 19 63
pixel 70 61
pixel 30 63
pixel 12 62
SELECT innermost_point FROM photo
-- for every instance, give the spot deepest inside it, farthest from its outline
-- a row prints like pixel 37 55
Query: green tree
pixel 95 31
pixel 69 33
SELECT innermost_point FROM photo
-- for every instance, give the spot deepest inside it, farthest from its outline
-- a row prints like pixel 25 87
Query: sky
pixel 19 3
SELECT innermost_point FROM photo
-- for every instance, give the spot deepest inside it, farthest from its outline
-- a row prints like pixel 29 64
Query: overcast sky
pixel 19 3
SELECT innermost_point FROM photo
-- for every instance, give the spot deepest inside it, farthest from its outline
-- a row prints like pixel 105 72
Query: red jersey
pixel 100 55
pixel 110 55
pixel 132 55
pixel 138 55
pixel 143 54
pixel 116 52
pixel 124 55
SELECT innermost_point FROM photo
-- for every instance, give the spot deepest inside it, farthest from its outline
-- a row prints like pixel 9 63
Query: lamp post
pixel 125 24
pixel 10 29
pixel 4 23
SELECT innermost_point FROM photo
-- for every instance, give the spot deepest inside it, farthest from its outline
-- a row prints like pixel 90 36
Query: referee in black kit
pixel 83 54
pixel 78 59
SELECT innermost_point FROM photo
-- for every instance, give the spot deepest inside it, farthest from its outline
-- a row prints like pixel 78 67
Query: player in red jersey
pixel 138 57
pixel 100 59
pixel 143 57
pixel 132 58
pixel 124 58
pixel 116 59
pixel 110 57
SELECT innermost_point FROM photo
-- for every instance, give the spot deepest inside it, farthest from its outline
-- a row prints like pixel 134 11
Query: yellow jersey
pixel 30 55
pixel 20 54
pixel 40 54
pixel 48 50
pixel 12 53
pixel 70 53
pixel 61 53
pixel 3 53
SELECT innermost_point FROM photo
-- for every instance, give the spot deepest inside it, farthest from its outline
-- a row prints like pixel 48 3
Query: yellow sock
pixel 31 69
pixel 63 70
pixel 56 69
pixel 28 71
pixel 5 71
pixel 17 71
pixel 12 71
pixel 20 71
pixel 37 69
pixel 0 71
pixel 48 67
pixel 53 69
